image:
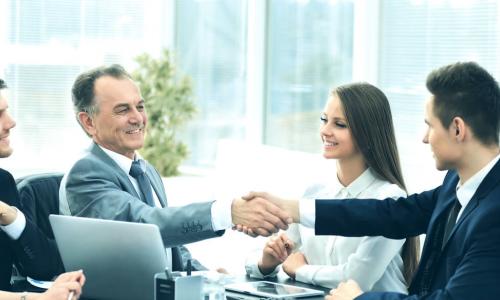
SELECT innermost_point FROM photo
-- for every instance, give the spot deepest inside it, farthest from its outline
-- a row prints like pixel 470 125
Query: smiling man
pixel 21 241
pixel 461 217
pixel 112 181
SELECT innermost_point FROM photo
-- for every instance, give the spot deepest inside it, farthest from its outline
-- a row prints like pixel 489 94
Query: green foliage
pixel 169 104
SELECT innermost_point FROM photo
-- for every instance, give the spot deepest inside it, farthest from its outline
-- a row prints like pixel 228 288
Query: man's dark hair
pixel 82 92
pixel 2 84
pixel 468 91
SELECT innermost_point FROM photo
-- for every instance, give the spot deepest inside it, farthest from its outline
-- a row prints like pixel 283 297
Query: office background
pixel 261 70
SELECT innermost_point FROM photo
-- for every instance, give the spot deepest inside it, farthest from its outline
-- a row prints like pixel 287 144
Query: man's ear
pixel 86 122
pixel 458 128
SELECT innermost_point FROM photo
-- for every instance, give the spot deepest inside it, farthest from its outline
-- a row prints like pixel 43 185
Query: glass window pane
pixel 417 37
pixel 210 46
pixel 309 50
pixel 46 44
pixel 44 21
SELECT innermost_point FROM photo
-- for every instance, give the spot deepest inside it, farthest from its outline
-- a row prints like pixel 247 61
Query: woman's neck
pixel 350 169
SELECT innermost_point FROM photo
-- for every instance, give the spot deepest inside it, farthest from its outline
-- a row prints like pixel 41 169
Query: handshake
pixel 260 213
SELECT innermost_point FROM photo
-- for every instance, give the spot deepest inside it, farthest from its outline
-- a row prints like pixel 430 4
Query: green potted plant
pixel 169 104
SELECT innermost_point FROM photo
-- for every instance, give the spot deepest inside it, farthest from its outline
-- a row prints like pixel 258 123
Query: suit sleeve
pixel 93 190
pixel 6 261
pixel 396 219
pixel 34 253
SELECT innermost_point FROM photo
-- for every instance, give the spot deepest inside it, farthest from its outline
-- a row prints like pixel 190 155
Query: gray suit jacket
pixel 97 187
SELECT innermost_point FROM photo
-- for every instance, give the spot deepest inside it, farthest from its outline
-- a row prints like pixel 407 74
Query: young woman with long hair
pixel 357 131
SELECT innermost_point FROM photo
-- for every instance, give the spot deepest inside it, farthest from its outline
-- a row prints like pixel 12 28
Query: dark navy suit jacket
pixel 467 266
pixel 33 253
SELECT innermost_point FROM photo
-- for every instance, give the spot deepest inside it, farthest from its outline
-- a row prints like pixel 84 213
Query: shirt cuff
pixel 221 215
pixel 252 268
pixel 307 211
pixel 16 228
pixel 306 273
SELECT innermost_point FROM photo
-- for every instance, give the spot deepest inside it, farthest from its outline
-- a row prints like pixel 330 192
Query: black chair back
pixel 39 196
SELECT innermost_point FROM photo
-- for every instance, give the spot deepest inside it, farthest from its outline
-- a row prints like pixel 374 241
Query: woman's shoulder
pixel 316 190
pixel 382 189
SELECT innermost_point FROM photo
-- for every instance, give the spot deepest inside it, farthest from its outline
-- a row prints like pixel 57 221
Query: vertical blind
pixel 417 37
pixel 45 45
pixel 210 46
pixel 309 51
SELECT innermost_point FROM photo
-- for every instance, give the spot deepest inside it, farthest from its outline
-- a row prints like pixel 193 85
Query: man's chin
pixel 136 146
pixel 441 166
pixel 5 152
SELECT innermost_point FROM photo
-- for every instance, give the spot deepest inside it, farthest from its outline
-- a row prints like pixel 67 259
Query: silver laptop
pixel 119 259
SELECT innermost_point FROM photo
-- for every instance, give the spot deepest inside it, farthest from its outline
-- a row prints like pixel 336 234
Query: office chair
pixel 39 196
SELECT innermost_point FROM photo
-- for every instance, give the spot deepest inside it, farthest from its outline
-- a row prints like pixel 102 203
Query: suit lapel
pixel 153 176
pixel 448 194
pixel 466 213
pixel 490 181
pixel 157 184
pixel 97 151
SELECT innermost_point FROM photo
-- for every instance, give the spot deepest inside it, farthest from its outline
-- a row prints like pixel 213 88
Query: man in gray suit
pixel 112 182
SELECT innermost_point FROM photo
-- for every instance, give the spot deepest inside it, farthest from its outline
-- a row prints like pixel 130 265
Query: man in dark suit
pixel 461 218
pixel 21 241
pixel 112 182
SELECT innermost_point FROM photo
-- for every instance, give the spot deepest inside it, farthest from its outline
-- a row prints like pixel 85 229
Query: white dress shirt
pixel 16 228
pixel 374 262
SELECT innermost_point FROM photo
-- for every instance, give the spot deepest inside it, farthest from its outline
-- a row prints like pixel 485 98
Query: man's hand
pixel 293 263
pixel 259 214
pixel 345 291
pixel 276 251
pixel 288 205
pixel 64 285
pixel 7 214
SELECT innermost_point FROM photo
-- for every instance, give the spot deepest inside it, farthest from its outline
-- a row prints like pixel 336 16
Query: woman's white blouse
pixel 375 263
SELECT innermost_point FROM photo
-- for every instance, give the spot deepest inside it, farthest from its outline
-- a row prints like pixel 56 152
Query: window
pixel 309 51
pixel 45 45
pixel 210 46
pixel 417 37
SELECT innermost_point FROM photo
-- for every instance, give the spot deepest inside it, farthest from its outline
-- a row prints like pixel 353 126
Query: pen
pixel 71 294
pixel 168 274
pixel 189 268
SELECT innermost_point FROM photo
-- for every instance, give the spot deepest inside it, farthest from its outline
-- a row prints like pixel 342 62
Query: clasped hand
pixel 259 216
pixel 260 213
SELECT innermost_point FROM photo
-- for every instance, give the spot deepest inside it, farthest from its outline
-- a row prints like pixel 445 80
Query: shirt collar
pixel 122 161
pixel 359 184
pixel 469 188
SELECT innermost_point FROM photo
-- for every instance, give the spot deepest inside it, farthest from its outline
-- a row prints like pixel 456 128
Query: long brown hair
pixel 369 117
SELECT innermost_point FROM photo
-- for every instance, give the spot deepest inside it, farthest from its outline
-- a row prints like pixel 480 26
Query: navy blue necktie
pixel 452 220
pixel 143 182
